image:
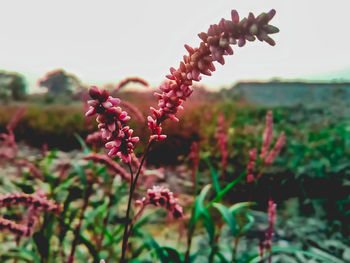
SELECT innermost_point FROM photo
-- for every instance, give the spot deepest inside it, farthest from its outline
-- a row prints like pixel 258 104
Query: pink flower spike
pixel 251 165
pixel 215 44
pixel 113 123
pixel 276 149
pixel 267 135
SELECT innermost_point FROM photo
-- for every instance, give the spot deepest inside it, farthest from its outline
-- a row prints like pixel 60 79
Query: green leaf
pixel 221 194
pixel 214 175
pixel 222 258
pixel 82 143
pixel 198 205
pixel 81 172
pixel 208 224
pixel 313 254
pixel 172 255
pixel 236 207
pixel 228 217
pixel 250 223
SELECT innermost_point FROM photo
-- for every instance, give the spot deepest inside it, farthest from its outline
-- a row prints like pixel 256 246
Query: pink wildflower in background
pixel 270 231
pixel 37 200
pixel 95 140
pixel 126 81
pixel 36 203
pixel 268 156
pixel 267 135
pixel 276 149
pixel 13 227
pixel 8 146
pixel 266 244
pixel 194 156
pixel 214 46
pixel 222 140
pixel 161 197
pixel 8 143
pixel 251 165
pixel 112 122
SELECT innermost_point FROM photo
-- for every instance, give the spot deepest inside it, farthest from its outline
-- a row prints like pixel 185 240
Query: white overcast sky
pixel 105 41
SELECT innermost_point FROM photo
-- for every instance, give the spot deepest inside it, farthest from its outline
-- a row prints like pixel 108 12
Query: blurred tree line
pixel 12 86
pixel 60 85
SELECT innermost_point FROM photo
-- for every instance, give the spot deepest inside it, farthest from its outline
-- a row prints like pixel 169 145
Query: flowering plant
pixel 118 137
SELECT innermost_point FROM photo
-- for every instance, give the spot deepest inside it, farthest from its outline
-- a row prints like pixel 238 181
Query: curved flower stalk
pixel 126 81
pixel 95 140
pixel 37 200
pixel 216 43
pixel 16 117
pixel 134 111
pixel 36 203
pixel 109 163
pixel 113 124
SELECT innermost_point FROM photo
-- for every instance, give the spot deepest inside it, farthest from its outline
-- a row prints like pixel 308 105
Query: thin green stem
pixel 133 183
pixel 125 236
pixel 87 195
pixel 191 227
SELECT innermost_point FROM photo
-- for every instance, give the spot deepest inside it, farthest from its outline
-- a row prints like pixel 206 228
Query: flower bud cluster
pixel 112 123
pixel 162 197
pixel 214 46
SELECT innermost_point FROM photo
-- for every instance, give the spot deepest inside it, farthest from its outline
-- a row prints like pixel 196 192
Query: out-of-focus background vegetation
pixel 309 180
